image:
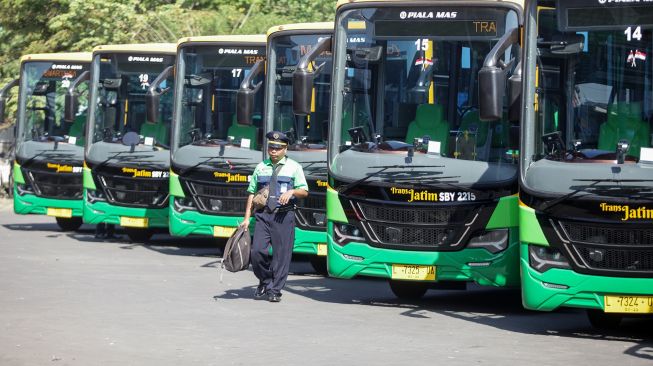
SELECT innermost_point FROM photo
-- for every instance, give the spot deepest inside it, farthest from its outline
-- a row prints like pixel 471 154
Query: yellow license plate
pixel 133 221
pixel 60 212
pixel 321 249
pixel 413 272
pixel 223 231
pixel 628 304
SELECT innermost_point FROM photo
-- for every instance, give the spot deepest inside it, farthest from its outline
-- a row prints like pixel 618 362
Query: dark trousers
pixel 278 230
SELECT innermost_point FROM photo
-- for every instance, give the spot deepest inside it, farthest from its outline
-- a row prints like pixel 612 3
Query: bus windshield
pixel 44 85
pixel 121 85
pixel 207 108
pixel 593 101
pixel 406 92
pixel 309 134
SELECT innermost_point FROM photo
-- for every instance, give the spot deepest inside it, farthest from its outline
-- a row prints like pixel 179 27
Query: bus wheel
pixel 138 235
pixel 319 264
pixel 601 320
pixel 408 290
pixel 69 224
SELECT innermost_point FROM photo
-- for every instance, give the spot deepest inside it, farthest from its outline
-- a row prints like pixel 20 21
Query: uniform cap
pixel 276 138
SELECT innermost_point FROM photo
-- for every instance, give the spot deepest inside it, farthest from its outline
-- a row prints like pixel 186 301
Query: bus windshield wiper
pixel 348 187
pixel 50 154
pixel 124 158
pixel 555 201
pixel 209 159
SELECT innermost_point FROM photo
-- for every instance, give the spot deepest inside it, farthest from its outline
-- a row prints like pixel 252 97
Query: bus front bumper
pixel 472 264
pixel 98 212
pixel 556 288
pixel 310 242
pixel 30 204
pixel 196 223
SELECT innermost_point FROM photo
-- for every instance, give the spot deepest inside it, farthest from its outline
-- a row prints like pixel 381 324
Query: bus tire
pixel 69 224
pixel 408 290
pixel 604 321
pixel 138 235
pixel 319 264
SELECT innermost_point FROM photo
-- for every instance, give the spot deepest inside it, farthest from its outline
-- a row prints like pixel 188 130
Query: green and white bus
pixel 420 190
pixel 213 155
pixel 586 176
pixel 127 154
pixel 287 45
pixel 47 171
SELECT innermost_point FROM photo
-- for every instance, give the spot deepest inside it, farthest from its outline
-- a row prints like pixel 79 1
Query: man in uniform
pixel 275 223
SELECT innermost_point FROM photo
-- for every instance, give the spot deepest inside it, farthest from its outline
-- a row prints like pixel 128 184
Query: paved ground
pixel 68 299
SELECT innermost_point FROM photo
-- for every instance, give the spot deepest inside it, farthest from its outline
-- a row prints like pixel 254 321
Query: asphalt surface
pixel 69 299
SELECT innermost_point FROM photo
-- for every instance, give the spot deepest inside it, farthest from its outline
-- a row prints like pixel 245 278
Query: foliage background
pixel 44 26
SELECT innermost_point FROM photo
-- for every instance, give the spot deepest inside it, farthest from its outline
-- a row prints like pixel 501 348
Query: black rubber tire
pixel 319 264
pixel 604 321
pixel 138 235
pixel 407 289
pixel 69 224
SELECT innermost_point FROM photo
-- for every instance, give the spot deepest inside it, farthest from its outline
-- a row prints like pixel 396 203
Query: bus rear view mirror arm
pixel 246 94
pixel 303 77
pixel 153 96
pixel 70 100
pixel 492 78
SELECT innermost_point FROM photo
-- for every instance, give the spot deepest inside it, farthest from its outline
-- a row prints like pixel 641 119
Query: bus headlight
pixel 346 232
pixel 544 258
pixel 494 241
pixel 93 196
pixel 183 204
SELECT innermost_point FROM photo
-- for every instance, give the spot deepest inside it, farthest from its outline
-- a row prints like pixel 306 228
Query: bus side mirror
pixel 152 103
pixel 246 93
pixel 491 88
pixel 492 78
pixel 153 96
pixel 303 77
pixel 70 106
pixel 3 97
pixel 70 100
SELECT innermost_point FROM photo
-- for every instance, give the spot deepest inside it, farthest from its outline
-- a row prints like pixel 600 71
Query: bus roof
pixel 67 56
pixel 408 3
pixel 136 47
pixel 301 27
pixel 250 38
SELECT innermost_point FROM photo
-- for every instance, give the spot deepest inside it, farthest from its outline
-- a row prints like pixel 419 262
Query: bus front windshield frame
pixel 405 93
pixel 120 83
pixel 308 134
pixel 208 79
pixel 590 128
pixel 41 102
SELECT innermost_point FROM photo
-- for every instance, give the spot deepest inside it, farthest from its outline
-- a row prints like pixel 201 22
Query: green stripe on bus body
pixel 335 212
pixel 530 230
pixel 506 214
pixel 175 186
pixel 18 174
pixel 87 179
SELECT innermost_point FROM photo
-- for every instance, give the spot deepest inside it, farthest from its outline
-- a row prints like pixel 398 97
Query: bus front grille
pixel 414 215
pixel 311 212
pixel 216 198
pixel 617 259
pixel 414 237
pixel 56 185
pixel 607 249
pixel 135 192
pixel 601 234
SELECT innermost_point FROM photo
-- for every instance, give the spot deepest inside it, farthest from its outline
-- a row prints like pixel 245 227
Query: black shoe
pixel 260 292
pixel 272 297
